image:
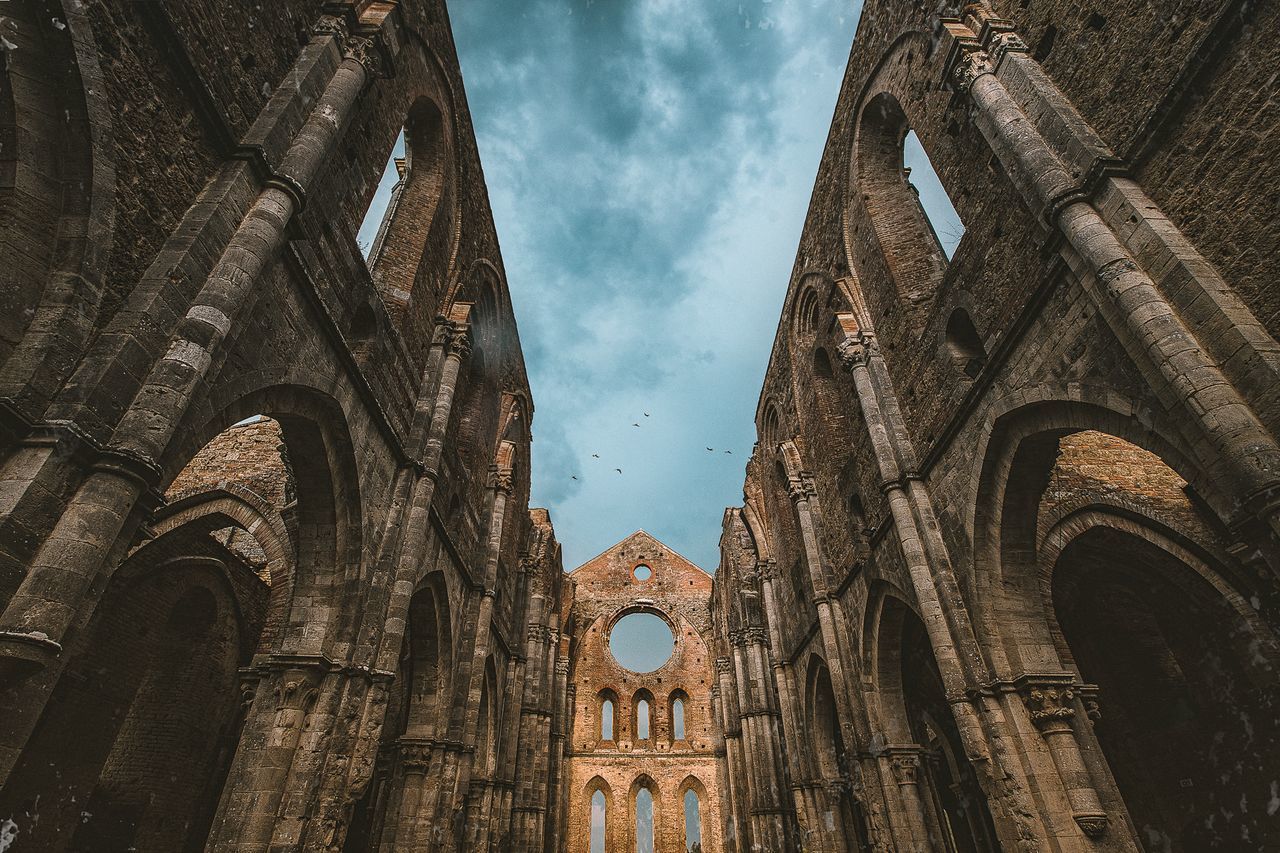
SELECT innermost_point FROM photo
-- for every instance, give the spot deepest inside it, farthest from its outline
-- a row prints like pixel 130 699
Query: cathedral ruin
pixel 1006 570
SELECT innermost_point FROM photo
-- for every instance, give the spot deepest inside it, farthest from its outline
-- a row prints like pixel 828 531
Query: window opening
pixel 606 720
pixel 598 815
pixel 692 821
pixel 644 821
pixel 392 177
pixel 938 209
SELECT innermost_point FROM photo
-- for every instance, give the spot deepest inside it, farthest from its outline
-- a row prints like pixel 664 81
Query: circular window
pixel 641 642
pixel 642 572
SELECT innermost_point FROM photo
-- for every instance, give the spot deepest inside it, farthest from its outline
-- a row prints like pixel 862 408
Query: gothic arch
pixel 1011 468
pixel 880 197
pixel 597 784
pixel 142 725
pixel 645 782
pixel 329 523
pixel 57 200
pixel 418 220
pixel 1184 672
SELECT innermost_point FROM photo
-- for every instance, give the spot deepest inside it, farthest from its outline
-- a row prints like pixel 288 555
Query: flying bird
pixel 646 414
pixel 711 450
pixel 635 424
pixel 619 470
pixel 595 455
pixel 574 477
pixel 730 452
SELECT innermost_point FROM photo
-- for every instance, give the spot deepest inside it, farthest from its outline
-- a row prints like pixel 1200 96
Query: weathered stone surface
pixel 605 589
pixel 1008 511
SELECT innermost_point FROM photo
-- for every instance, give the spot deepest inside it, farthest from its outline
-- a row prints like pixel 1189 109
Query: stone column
pixel 561 725
pixel 903 761
pixel 788 702
pixel 501 486
pixel 77 552
pixel 1228 439
pixel 1052 706
pixel 286 695
pixel 980 720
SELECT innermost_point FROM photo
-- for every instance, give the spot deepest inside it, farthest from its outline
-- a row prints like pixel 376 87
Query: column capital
pixel 1048 702
pixel 501 480
pixel 724 666
pixel 857 350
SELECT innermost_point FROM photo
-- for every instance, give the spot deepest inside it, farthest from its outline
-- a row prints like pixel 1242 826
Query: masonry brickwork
pixel 605 590
pixel 1004 576
pixel 1005 573
pixel 268 575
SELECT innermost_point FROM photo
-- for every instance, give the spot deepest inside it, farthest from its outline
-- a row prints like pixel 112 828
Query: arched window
pixel 374 225
pixel 914 221
pixel 606 720
pixel 644 821
pixel 938 209
pixel 677 715
pixel 964 344
pixel 642 719
pixel 692 820
pixel 599 815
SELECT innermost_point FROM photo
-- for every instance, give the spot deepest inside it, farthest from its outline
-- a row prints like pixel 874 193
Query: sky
pixel 649 165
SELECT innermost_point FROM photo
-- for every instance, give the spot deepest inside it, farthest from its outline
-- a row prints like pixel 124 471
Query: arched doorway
pixel 833 761
pixel 937 784
pixel 134 748
pixel 1189 699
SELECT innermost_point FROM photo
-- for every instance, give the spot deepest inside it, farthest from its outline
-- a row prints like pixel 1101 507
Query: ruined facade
pixel 1005 573
pixel 631 731
pixel 268 575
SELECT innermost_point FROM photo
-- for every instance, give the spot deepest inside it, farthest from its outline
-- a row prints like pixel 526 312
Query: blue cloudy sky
pixel 649 164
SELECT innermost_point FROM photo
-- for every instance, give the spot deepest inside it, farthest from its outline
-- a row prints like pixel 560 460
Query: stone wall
pixel 605 590
pixel 181 186
pixel 992 491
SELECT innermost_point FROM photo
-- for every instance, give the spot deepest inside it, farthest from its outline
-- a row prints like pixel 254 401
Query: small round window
pixel 641 642
pixel 642 572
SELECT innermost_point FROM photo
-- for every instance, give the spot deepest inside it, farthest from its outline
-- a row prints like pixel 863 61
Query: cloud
pixel 649 165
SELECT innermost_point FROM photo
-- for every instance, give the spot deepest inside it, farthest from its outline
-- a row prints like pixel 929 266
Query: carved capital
pixel 768 570
pixel 415 754
pixel 332 25
pixel 724 666
pixel 906 767
pixel 856 350
pixel 1050 704
pixel 1092 825
pixel 501 480
pixel 799 489
pixel 970 67
pixel 1004 43
pixel 366 52
pixel 458 340
pixel 1089 697
pixel 737 639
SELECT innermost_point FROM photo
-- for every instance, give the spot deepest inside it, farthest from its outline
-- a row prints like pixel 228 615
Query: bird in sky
pixel 711 450
pixel 574 477
pixel 635 424
pixel 730 452
pixel 595 455
pixel 646 414
pixel 619 470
